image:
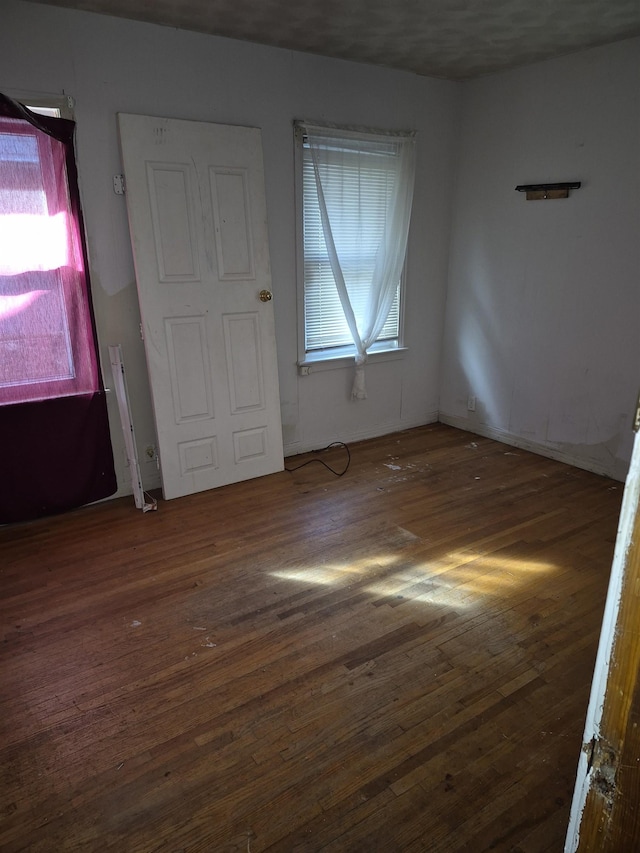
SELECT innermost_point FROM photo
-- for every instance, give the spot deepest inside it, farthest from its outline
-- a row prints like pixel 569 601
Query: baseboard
pixel 375 431
pixel 524 444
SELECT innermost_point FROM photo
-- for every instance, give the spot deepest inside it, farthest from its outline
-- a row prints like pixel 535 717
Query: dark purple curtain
pixel 55 448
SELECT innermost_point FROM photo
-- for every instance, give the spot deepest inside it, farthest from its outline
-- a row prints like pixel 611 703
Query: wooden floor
pixel 395 660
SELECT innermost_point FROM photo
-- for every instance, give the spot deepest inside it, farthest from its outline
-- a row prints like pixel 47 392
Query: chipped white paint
pixel 135 624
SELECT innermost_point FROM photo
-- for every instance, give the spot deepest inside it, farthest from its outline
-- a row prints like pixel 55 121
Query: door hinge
pixel 636 420
pixel 141 333
pixel 118 184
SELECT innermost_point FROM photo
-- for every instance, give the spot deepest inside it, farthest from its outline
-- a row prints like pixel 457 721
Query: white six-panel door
pixel 197 216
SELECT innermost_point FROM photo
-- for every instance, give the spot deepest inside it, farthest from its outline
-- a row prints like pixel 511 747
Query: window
pixel 54 106
pixel 53 413
pixel 345 246
pixel 366 193
pixel 46 333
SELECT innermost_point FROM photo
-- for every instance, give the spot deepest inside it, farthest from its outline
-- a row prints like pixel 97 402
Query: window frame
pixel 343 356
pixel 35 101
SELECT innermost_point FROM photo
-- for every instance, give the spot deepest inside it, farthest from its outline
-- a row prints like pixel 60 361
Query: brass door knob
pixel 265 296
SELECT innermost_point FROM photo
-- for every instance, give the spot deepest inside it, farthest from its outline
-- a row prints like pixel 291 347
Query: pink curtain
pixel 54 438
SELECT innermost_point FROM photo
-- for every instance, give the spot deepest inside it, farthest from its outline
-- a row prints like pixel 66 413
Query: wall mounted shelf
pixel 535 192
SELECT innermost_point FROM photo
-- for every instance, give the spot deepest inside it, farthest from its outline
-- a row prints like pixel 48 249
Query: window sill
pixel 314 363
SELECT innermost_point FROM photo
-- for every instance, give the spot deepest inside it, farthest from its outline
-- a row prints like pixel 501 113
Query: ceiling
pixel 454 39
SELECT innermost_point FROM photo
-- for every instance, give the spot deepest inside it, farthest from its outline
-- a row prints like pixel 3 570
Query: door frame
pixel 605 814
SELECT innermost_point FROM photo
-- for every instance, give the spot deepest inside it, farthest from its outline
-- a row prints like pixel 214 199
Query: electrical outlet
pixel 471 403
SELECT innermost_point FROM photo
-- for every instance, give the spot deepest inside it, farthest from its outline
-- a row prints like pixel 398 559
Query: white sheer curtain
pixel 347 165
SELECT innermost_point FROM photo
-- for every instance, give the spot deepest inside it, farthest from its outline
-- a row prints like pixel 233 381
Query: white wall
pixel 544 296
pixel 111 65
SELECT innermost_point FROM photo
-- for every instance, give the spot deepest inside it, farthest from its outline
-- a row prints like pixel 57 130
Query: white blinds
pixel 357 195
pixel 361 195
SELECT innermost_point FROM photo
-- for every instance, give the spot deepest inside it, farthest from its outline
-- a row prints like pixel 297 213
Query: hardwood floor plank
pixel 395 660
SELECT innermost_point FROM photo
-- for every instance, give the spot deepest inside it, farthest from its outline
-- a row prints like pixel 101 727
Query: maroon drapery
pixel 55 448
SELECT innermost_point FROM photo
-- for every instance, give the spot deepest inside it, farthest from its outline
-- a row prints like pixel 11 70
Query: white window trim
pixel 339 357
pixel 334 359
pixel 64 103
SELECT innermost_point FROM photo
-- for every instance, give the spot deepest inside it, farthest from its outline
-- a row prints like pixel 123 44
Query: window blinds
pixel 359 184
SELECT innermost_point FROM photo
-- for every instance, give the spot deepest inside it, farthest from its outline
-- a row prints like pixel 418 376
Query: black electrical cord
pixel 322 462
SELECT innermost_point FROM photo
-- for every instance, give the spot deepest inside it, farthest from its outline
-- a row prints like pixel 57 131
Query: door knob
pixel 265 296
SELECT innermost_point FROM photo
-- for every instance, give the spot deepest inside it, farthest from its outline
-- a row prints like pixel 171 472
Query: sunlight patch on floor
pixel 459 580
pixel 338 574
